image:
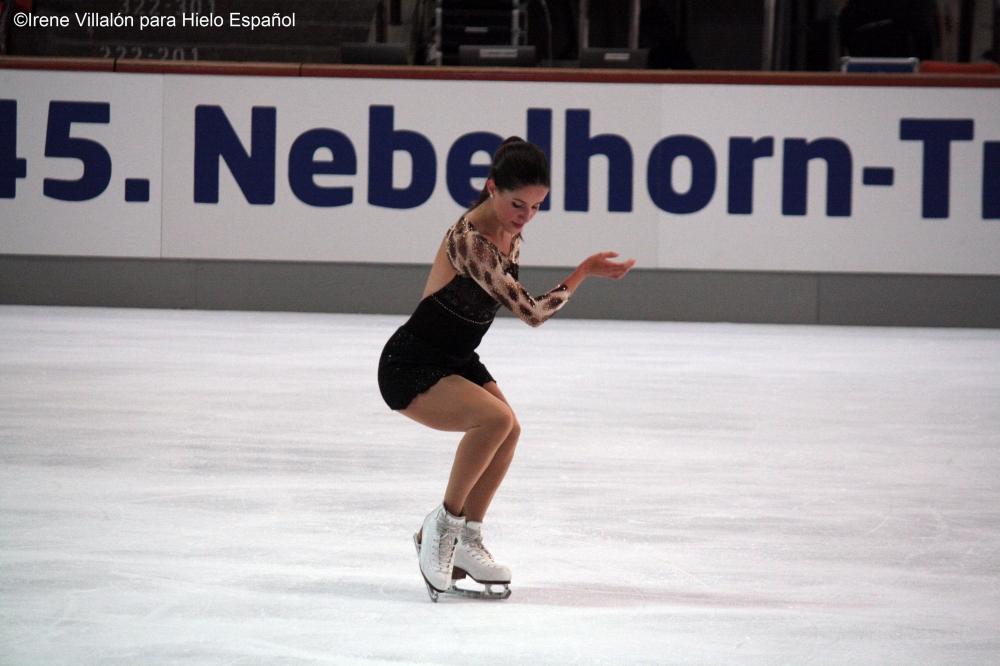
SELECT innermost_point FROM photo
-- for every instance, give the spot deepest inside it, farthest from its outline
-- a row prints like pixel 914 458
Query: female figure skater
pixel 429 370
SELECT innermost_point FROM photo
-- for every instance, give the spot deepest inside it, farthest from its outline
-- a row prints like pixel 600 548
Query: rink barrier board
pixel 672 232
pixel 645 294
pixel 648 294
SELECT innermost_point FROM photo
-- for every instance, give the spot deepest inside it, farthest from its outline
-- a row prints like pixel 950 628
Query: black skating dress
pixel 441 336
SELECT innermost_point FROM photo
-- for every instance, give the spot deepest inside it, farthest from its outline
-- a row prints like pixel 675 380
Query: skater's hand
pixel 601 265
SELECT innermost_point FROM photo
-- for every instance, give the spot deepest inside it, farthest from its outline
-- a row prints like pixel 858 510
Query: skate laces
pixel 475 545
pixel 445 544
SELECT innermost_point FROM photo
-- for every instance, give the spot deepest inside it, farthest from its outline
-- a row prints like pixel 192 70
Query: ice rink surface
pixel 228 488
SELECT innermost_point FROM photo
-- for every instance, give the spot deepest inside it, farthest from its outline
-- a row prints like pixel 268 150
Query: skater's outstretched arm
pixel 473 255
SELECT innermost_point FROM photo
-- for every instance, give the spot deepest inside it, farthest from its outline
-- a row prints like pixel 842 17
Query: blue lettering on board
pixel 937 136
pixel 460 170
pixel 12 167
pixel 991 180
pixel 383 141
pixel 303 166
pixel 214 138
pixel 795 175
pixel 540 134
pixel 580 147
pixel 742 153
pixel 659 174
pixel 95 157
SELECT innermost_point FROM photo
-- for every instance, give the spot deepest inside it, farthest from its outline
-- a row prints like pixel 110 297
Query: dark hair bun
pixel 511 140
pixel 517 163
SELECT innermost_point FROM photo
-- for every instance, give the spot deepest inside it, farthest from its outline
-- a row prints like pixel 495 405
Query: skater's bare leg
pixel 455 404
pixel 478 501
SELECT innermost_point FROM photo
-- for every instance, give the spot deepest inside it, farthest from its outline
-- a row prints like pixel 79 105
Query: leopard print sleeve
pixel 472 255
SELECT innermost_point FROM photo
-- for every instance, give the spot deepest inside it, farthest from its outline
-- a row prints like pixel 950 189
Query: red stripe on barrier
pixel 940 67
pixel 63 64
pixel 650 76
pixel 928 80
pixel 208 67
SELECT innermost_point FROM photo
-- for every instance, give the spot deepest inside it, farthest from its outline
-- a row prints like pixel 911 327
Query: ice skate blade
pixel 431 592
pixel 487 594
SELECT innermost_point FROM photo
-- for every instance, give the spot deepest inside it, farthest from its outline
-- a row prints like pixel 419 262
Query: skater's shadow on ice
pixel 349 589
pixel 607 596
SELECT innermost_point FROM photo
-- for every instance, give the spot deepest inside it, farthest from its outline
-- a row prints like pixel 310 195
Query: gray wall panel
pixel 910 300
pixel 309 287
pixel 736 296
pixel 92 281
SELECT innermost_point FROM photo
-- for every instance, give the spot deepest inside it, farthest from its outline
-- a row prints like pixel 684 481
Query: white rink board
pixel 151 135
pixel 885 232
pixel 107 225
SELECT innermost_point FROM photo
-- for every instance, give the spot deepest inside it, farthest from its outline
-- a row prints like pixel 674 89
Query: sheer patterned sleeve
pixel 474 256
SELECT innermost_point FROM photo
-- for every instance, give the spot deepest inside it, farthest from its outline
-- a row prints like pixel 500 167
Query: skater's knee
pixel 498 418
pixel 515 430
pixel 503 419
pixel 506 450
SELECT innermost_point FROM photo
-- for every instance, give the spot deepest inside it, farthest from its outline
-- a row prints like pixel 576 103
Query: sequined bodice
pixel 454 319
pixel 464 298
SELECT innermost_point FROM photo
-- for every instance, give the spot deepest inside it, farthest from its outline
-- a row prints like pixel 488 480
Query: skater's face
pixel 515 208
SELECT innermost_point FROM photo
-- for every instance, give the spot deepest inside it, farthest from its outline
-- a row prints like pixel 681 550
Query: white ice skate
pixel 440 534
pixel 473 560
